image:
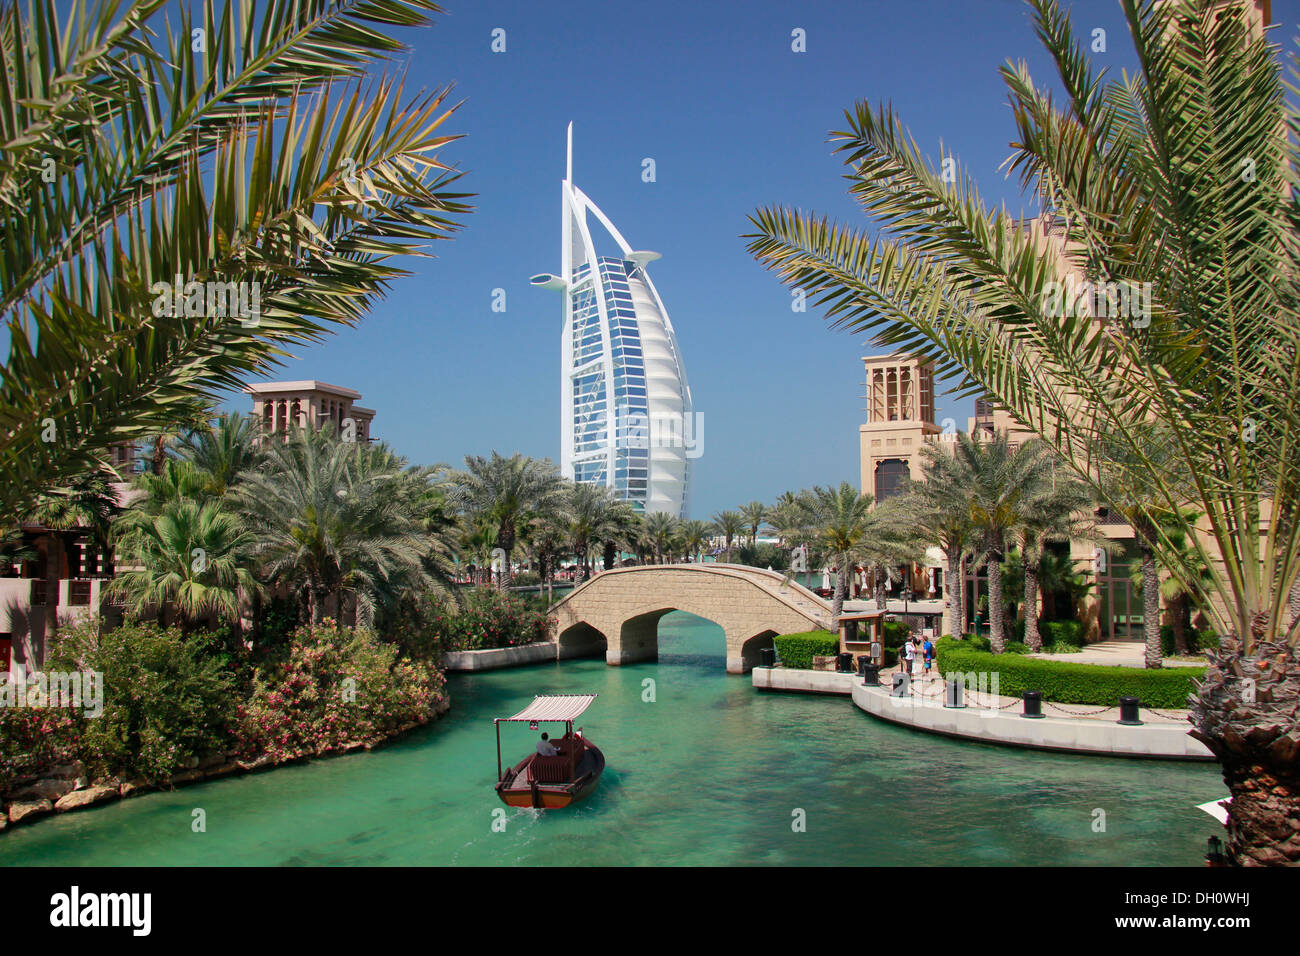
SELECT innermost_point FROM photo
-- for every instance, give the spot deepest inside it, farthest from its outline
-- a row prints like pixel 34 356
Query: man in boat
pixel 545 747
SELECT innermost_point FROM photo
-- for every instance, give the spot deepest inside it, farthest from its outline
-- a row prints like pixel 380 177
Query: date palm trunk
pixel 1244 711
pixel 1180 614
pixel 1033 640
pixel 841 586
pixel 961 595
pixel 1151 608
pixel 506 538
pixel 997 618
pixel 952 595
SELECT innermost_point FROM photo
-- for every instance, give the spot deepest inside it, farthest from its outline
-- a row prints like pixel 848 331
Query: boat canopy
pixel 556 707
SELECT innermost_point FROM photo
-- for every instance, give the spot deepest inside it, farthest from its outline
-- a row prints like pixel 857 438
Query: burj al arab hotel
pixel 627 421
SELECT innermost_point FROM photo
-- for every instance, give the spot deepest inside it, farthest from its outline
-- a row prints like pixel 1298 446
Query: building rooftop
pixel 306 385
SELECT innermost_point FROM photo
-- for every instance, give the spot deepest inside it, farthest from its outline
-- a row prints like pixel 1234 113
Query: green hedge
pixel 1069 683
pixel 1061 632
pixel 798 650
pixel 973 641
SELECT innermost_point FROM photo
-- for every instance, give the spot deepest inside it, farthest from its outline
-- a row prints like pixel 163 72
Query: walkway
pixel 1114 654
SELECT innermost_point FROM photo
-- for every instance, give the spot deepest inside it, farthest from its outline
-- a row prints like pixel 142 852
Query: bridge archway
pixel 580 640
pixel 625 605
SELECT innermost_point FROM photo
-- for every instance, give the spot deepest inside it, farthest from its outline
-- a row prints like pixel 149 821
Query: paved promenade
pixel 1115 654
pixel 997 719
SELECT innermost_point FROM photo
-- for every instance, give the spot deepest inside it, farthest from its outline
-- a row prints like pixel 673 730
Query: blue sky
pixel 734 119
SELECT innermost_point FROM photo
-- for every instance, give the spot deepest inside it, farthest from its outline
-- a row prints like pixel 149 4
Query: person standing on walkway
pixel 907 654
pixel 927 650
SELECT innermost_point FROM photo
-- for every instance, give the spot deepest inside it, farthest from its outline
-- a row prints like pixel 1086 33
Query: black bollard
pixel 954 693
pixel 1033 704
pixel 767 657
pixel 1128 711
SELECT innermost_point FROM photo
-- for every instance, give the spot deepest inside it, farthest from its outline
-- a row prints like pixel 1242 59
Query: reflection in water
pixel 711 772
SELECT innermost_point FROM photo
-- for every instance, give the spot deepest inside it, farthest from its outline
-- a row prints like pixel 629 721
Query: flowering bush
pixel 32 739
pixel 168 697
pixel 334 686
pixel 488 618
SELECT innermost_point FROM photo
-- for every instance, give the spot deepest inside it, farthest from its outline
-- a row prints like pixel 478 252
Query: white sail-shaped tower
pixel 627 421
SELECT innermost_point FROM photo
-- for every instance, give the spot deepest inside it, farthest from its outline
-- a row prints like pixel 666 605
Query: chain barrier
pixel 933 692
pixel 1077 713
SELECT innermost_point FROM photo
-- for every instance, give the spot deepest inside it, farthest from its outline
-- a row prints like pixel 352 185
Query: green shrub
pixel 168 697
pixel 1062 632
pixel 334 686
pixel 977 642
pixel 1018 630
pixel 1062 649
pixel 896 632
pixel 273 622
pixel 487 618
pixel 798 650
pixel 1015 647
pixel 1065 682
pixel 765 555
pixel 1196 640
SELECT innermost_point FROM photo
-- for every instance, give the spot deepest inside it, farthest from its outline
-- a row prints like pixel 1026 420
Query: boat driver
pixel 545 747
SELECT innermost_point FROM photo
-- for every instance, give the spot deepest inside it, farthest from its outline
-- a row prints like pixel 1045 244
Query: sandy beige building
pixel 281 405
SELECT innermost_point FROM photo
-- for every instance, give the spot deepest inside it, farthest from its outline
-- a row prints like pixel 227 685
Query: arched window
pixel 890 474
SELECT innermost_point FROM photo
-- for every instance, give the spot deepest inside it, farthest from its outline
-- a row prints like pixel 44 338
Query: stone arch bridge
pixel 619 610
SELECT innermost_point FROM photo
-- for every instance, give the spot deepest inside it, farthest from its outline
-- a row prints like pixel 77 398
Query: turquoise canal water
pixel 710 772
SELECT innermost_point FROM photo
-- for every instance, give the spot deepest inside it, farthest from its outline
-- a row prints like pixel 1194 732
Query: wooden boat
pixel 550 783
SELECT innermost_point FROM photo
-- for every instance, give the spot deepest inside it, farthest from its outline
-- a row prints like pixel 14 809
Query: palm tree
pixel 1179 597
pixel 1059 511
pixel 334 519
pixel 729 524
pixel 845 531
pixel 779 514
pixel 939 509
pixel 274 159
pixel 593 515
pixel 190 558
pixel 755 514
pixel 546 538
pixel 476 536
pixel 1150 184
pixel 178 479
pixel 659 530
pixel 695 536
pixel 507 490
pixel 184 419
pixel 222 453
pixel 1141 503
pixel 1002 479
pixel 623 528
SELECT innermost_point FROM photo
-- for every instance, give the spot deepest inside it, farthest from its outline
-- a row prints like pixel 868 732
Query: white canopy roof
pixel 556 707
